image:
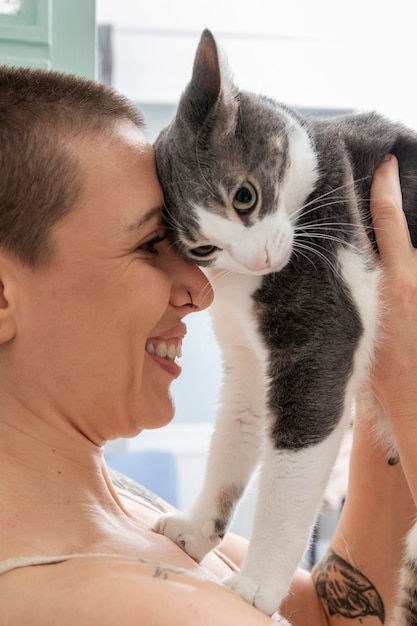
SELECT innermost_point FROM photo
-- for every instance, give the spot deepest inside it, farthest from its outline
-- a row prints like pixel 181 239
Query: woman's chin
pixel 160 414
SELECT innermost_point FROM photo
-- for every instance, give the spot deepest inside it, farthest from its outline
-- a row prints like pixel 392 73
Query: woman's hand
pixel 394 374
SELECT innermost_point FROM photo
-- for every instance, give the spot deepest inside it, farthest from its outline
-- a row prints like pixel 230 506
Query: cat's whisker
pixel 170 219
pixel 220 276
pixel 347 227
pixel 326 237
pixel 317 224
pixel 298 247
pixel 205 292
pixel 317 207
pixel 183 181
pixel 318 199
pixel 189 183
pixel 298 251
pixel 313 210
pixel 314 202
pixel 349 234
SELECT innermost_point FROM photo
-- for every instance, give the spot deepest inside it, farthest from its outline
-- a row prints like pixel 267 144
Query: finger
pixel 390 224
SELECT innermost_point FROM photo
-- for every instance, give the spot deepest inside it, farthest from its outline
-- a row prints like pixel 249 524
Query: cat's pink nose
pixel 262 263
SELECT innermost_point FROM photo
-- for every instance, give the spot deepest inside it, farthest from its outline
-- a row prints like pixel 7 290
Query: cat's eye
pixel 245 199
pixel 203 251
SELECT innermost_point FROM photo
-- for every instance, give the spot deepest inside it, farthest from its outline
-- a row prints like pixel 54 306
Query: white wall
pixel 357 54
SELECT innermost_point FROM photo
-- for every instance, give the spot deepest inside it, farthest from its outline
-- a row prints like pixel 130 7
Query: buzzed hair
pixel 40 181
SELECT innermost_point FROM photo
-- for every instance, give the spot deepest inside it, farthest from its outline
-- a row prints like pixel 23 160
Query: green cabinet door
pixel 50 34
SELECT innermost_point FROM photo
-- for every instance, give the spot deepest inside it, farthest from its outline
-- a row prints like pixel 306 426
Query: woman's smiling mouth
pixel 165 350
pixel 166 347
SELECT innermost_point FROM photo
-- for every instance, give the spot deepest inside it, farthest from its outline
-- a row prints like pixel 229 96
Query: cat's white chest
pixel 233 293
pixel 233 312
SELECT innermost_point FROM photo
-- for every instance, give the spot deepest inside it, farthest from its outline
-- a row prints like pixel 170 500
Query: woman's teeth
pixel 164 350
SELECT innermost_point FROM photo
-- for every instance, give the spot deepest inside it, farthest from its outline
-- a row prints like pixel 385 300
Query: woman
pixel 91 293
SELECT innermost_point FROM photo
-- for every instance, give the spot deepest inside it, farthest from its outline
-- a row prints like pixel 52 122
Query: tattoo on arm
pixel 346 590
pixel 135 491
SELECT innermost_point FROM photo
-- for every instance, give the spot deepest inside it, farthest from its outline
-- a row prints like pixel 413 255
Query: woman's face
pixel 111 301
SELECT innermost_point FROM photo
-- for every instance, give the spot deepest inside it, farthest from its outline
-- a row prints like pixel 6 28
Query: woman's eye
pixel 245 199
pixel 150 245
pixel 202 251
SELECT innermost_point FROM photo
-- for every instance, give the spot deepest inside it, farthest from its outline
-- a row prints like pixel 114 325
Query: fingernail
pixel 386 158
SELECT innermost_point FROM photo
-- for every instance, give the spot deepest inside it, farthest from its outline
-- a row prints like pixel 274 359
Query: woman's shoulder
pixel 90 590
pixel 113 590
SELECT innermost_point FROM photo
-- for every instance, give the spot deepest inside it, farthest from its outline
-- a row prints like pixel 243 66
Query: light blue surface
pixel 154 469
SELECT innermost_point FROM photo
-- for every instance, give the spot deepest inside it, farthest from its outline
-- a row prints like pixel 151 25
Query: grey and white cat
pixel 276 207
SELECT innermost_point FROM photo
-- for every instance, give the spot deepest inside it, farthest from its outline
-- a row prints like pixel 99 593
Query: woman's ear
pixel 7 310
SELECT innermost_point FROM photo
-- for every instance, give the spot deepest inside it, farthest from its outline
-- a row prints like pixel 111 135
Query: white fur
pixel 303 172
pixel 363 283
pixel 364 287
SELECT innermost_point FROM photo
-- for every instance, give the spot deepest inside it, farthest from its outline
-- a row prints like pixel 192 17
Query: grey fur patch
pixel 226 501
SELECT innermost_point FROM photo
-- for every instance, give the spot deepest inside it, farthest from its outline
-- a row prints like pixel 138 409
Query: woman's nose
pixel 190 286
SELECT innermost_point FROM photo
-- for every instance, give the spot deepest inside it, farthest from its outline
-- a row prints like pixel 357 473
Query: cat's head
pixel 235 168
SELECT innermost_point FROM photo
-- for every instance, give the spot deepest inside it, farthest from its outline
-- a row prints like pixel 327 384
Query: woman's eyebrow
pixel 145 219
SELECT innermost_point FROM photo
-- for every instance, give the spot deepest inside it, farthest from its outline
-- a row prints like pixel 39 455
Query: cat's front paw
pixel 195 538
pixel 265 599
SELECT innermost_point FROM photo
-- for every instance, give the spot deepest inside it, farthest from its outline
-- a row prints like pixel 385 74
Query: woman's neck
pixel 55 491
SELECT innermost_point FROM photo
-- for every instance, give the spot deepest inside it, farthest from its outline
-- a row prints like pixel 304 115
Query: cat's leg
pixel 290 491
pixel 326 355
pixel 234 452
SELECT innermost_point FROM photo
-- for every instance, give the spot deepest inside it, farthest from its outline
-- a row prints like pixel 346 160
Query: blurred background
pixel 312 54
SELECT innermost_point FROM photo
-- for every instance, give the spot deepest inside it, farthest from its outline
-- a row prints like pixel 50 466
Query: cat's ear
pixel 211 87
